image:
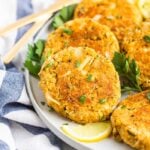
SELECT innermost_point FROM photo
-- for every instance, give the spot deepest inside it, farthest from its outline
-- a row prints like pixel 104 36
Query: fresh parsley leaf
pixel 57 21
pixel 42 59
pixel 71 10
pixel 31 54
pixel 67 31
pixel 64 15
pixel 82 99
pixel 34 58
pixel 89 77
pixel 77 64
pixel 128 71
pixel 42 103
pixel 102 101
pixel 40 46
pixel 147 38
pixel 50 64
pixel 123 107
pixel 32 66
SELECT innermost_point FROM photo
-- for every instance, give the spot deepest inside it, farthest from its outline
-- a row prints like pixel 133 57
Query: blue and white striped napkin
pixel 20 126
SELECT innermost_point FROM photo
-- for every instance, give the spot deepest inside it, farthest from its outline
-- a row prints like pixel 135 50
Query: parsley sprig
pixel 129 72
pixel 34 57
pixel 147 38
pixel 64 15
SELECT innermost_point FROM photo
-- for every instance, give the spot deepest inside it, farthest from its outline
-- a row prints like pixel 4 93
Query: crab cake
pixel 117 14
pixel 136 44
pixel 80 84
pixel 83 32
pixel 131 121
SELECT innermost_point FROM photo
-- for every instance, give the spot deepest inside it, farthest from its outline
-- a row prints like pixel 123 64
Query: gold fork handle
pixel 12 53
pixel 34 17
pixel 40 19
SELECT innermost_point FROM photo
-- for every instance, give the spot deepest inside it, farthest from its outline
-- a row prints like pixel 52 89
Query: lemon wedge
pixel 144 6
pixel 91 132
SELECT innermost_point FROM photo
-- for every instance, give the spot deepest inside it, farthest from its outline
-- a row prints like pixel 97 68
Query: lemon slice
pixel 91 132
pixel 144 6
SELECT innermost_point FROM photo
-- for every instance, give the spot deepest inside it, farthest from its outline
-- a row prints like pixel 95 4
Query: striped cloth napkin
pixel 20 126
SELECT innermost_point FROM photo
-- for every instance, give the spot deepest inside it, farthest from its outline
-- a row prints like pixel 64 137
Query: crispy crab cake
pixel 82 32
pixel 117 14
pixel 136 44
pixel 80 84
pixel 131 121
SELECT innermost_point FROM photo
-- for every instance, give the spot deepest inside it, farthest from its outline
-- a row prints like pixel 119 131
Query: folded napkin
pixel 20 126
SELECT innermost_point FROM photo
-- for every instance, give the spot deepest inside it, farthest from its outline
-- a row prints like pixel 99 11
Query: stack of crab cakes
pixel 78 78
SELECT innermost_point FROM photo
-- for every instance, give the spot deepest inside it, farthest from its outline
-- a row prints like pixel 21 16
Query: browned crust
pixel 117 14
pixel 85 32
pixel 66 83
pixel 131 121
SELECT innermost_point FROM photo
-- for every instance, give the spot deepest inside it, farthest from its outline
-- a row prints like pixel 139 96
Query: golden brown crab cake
pixel 80 84
pixel 131 121
pixel 82 32
pixel 117 14
pixel 136 44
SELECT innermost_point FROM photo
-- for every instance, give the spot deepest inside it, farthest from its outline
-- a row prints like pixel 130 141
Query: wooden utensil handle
pixel 40 18
pixel 12 53
pixel 34 17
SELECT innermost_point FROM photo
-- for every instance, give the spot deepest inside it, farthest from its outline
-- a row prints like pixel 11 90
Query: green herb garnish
pixel 89 77
pixel 147 38
pixel 102 101
pixel 77 64
pixel 123 107
pixel 51 63
pixel 128 71
pixel 40 44
pixel 43 103
pixel 82 99
pixel 67 31
pixel 34 56
pixel 64 15
pixel 148 96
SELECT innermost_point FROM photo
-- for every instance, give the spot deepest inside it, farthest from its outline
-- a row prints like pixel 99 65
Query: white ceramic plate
pixel 54 121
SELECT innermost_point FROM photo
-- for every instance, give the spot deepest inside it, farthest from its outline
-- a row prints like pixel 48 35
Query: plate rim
pixel 71 142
